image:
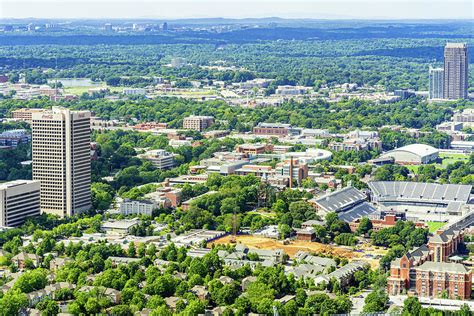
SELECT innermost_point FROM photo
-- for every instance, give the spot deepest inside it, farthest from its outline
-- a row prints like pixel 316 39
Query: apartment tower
pixel 436 90
pixel 455 71
pixel 61 160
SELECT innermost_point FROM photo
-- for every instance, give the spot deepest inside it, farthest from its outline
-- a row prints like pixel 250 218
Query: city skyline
pixel 302 9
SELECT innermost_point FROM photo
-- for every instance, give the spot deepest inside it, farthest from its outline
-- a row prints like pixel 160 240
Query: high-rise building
pixel 61 160
pixel 455 71
pixel 436 83
pixel 19 200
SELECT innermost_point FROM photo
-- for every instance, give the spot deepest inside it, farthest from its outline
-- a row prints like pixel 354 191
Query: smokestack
pixel 291 172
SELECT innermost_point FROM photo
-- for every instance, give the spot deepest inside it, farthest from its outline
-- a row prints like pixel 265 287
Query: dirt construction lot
pixel 294 246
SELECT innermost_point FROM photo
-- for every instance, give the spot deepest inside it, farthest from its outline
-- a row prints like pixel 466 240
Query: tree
pixel 31 281
pixel 102 195
pixel 131 252
pixel 195 307
pixel 346 239
pixel 411 306
pixel 465 310
pixel 12 302
pixel 161 311
pixel 257 292
pixel 365 226
pixel 48 307
pixel 121 310
pixel 284 230
pixel 376 301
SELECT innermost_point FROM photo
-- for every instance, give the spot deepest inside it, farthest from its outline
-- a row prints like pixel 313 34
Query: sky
pixel 176 9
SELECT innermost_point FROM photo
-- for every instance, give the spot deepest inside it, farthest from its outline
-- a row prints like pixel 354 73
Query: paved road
pixel 358 302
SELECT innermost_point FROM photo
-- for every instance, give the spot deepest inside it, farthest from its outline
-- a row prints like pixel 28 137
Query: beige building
pixel 19 200
pixel 61 160
pixel 455 71
pixel 198 123
pixel 25 114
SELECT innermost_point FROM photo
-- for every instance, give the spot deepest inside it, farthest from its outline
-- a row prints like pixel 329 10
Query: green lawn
pixel 80 90
pixel 449 158
pixel 264 213
pixel 434 226
pixel 413 169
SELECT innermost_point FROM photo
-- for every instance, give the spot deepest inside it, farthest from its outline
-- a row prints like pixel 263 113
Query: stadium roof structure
pixel 340 200
pixel 404 191
pixel 363 209
pixel 349 203
pixel 416 149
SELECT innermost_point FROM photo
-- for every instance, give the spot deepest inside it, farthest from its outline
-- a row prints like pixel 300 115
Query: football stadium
pixel 422 201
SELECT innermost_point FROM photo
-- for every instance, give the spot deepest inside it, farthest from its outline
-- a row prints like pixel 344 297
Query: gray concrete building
pixel 19 200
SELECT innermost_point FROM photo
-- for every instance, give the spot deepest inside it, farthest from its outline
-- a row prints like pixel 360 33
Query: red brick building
pixel 272 129
pixel 435 279
pixel 426 272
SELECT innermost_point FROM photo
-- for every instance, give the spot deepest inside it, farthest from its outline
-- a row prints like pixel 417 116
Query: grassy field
pixel 264 213
pixel 434 226
pixel 413 169
pixel 80 90
pixel 449 158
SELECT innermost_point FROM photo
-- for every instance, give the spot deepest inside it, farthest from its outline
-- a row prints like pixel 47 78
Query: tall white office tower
pixel 61 160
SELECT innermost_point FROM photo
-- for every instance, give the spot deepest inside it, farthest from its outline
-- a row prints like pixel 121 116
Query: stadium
pixel 422 201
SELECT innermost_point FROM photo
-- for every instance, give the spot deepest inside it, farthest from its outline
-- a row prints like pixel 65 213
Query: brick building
pixel 434 279
pixel 272 129
pixel 426 273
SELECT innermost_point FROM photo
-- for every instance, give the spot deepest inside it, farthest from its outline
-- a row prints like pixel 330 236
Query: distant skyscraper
pixel 164 26
pixel 455 71
pixel 61 160
pixel 436 83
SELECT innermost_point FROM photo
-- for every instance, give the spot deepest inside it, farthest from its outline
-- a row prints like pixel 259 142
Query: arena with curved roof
pixel 414 154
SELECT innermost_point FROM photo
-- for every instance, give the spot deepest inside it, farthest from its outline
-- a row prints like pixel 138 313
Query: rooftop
pixel 14 183
pixel 430 192
pixel 449 267
pixel 417 149
pixel 337 200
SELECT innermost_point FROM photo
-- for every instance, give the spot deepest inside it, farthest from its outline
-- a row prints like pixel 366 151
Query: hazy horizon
pixel 233 9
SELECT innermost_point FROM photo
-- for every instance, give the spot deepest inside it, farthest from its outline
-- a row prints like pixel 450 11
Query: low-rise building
pixel 253 149
pixel 293 169
pixel 305 234
pixel 119 226
pixel 15 137
pixel 272 129
pixel 25 114
pixel 19 200
pixel 198 123
pixel 134 91
pixel 138 207
pixel 160 158
pixel 21 260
